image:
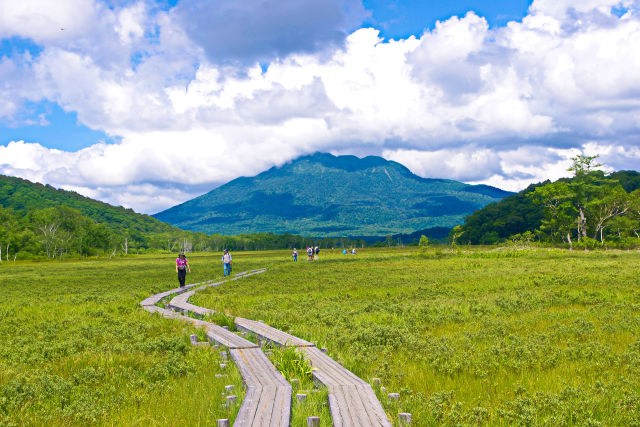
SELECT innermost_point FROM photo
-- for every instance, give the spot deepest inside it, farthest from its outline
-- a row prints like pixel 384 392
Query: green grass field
pixel 77 349
pixel 481 336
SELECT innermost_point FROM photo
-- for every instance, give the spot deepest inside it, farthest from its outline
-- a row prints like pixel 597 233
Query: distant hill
pixel 325 195
pixel 518 213
pixel 23 196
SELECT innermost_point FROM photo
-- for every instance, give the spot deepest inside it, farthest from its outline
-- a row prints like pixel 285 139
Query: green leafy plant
pixel 291 363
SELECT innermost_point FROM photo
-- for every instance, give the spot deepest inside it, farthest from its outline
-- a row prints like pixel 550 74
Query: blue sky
pixel 146 103
pixel 49 125
pixel 403 18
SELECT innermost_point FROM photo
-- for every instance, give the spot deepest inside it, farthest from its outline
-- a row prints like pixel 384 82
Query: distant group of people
pixel 182 266
pixel 312 253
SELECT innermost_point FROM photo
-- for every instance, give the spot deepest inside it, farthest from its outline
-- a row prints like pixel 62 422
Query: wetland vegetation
pixel 466 336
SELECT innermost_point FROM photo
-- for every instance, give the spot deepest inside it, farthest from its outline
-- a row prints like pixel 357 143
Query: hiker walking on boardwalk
pixel 226 261
pixel 317 252
pixel 310 253
pixel 294 254
pixel 182 266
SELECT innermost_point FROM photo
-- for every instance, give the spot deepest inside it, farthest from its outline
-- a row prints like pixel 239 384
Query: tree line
pixel 590 209
pixel 62 231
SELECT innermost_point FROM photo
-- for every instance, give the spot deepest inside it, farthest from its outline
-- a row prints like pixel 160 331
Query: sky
pixel 147 104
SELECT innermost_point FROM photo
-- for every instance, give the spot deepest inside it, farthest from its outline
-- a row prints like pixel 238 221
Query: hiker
pixel 182 266
pixel 353 251
pixel 317 251
pixel 294 254
pixel 226 261
pixel 344 251
pixel 310 253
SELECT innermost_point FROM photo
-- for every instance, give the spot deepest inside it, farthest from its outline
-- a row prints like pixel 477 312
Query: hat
pixel 181 254
pixel 226 250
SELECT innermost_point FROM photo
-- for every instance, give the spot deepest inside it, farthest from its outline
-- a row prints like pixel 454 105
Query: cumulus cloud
pixel 505 106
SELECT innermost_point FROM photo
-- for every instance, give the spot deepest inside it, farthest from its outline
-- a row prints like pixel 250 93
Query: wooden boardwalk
pixel 352 401
pixel 267 401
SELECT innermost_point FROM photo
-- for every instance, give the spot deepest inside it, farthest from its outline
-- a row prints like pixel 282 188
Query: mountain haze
pixel 325 195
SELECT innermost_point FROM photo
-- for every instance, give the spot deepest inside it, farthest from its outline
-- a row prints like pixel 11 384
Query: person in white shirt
pixel 226 261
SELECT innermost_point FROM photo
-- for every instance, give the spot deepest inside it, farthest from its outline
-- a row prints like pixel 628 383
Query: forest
pixel 590 209
pixel 39 221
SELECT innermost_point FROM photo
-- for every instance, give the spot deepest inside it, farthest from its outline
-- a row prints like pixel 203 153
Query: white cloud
pixel 506 106
pixel 509 169
pixel 46 20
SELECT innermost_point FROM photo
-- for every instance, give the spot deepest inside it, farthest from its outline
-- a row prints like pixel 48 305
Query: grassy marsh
pixel 77 349
pixel 476 336
pixel 486 336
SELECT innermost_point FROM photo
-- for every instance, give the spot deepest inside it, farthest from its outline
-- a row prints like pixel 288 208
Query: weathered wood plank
pixel 334 408
pixel 247 411
pixel 272 334
pixel 271 404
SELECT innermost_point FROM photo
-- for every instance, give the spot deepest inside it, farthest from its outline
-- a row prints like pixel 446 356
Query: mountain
pixel 326 195
pixel 518 213
pixel 23 196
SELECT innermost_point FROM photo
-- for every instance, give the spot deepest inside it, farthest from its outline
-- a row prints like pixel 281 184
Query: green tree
pixel 586 187
pixel 559 211
pixel 424 241
pixel 8 230
pixel 612 202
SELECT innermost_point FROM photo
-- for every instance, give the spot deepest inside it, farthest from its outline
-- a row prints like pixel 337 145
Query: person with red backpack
pixel 182 266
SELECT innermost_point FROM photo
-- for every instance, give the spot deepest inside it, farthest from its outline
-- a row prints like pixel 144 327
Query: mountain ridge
pixel 327 196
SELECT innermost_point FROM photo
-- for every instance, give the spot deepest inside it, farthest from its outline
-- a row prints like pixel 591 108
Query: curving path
pixel 267 402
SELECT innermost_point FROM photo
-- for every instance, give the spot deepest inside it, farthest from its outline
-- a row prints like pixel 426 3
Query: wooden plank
pixel 326 366
pixel 265 407
pixel 368 411
pixel 373 403
pixel 353 401
pixel 334 408
pixel 282 407
pixel 272 405
pixel 247 411
pixel 343 406
pixel 272 334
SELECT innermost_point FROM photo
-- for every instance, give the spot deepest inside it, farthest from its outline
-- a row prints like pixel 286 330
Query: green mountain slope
pixel 518 213
pixel 23 196
pixel 325 195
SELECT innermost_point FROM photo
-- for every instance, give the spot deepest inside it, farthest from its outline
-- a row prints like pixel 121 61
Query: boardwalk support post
pixel 231 400
pixel 404 418
pixel 313 422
